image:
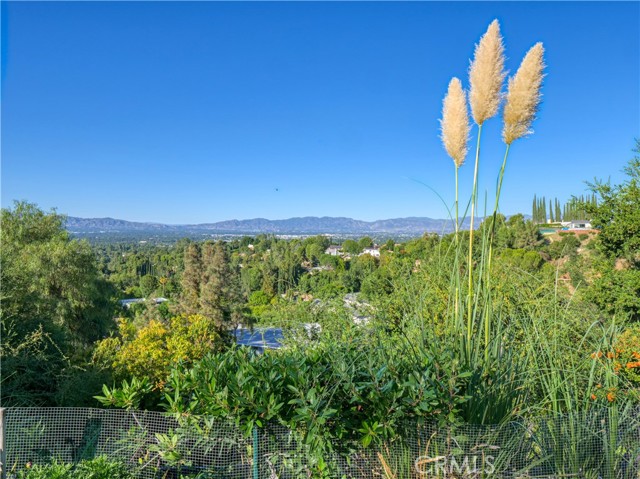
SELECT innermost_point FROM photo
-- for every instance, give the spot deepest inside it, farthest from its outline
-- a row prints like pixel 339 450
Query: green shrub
pixel 54 470
pixel 99 468
pixel 102 468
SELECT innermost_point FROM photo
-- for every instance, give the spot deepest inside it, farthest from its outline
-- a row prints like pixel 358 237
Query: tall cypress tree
pixel 221 296
pixel 191 279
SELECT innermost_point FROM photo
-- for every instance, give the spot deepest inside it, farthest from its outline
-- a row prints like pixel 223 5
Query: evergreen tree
pixel 220 295
pixel 191 278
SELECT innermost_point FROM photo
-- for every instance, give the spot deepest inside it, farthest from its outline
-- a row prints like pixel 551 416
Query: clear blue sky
pixel 205 111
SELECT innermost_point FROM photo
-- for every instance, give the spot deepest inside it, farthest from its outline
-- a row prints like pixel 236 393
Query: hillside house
pixel 333 250
pixel 580 225
pixel 374 251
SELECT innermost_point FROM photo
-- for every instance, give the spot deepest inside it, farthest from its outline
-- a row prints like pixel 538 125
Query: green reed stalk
pixel 457 214
pixel 474 201
pixel 491 238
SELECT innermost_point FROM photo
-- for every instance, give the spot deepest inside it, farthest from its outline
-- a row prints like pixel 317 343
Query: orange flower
pixel 610 355
pixel 611 397
pixel 598 386
pixel 593 397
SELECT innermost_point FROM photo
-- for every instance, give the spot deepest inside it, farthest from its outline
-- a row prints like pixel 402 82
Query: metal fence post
pixel 256 455
pixel 3 445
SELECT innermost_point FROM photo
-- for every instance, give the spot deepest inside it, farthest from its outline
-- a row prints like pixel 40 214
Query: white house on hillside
pixel 374 251
pixel 580 225
pixel 333 250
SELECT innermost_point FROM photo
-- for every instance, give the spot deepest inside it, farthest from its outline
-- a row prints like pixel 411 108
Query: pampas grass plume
pixel 486 75
pixel 454 125
pixel 523 95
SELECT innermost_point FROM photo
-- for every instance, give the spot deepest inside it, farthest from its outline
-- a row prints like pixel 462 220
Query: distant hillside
pixel 413 226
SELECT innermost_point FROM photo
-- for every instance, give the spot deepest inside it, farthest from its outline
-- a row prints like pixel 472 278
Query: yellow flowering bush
pixel 150 351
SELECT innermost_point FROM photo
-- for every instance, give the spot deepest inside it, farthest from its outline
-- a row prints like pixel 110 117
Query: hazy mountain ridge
pixel 298 225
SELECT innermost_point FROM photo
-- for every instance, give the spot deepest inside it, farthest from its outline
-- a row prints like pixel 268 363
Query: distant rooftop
pixel 259 339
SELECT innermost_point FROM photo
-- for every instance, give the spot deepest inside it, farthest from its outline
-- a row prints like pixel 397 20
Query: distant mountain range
pixel 413 226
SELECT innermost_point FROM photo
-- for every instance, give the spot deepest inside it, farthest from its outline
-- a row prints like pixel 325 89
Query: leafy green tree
pixel 54 304
pixel 351 247
pixel 365 242
pixel 148 285
pixel 616 284
pixel 617 213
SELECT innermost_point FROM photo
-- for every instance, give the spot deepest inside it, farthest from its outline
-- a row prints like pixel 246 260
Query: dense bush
pixel 98 468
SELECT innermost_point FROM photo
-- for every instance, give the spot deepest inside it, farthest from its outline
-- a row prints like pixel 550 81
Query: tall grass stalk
pixel 474 201
pixel 487 319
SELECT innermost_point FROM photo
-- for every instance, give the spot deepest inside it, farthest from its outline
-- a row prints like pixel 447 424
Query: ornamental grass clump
pixel 476 322
pixel 486 75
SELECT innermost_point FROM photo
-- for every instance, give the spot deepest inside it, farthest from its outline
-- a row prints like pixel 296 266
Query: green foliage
pixel 567 246
pixel 617 214
pixel 615 287
pixel 529 261
pixel 148 285
pixel 149 352
pixel 98 468
pixel 351 247
pixel 574 209
pixel 616 291
pixel 55 470
pixel 211 287
pixel 130 394
pixel 365 242
pixel 102 468
pixel 54 304
pixel 351 390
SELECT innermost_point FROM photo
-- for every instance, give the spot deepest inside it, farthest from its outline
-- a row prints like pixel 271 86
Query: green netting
pixel 598 444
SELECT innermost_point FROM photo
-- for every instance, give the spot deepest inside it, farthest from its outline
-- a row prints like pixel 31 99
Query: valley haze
pixel 308 225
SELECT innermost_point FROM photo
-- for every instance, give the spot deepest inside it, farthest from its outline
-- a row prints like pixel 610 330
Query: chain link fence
pixel 599 444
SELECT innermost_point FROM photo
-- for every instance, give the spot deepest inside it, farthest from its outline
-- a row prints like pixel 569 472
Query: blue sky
pixel 206 111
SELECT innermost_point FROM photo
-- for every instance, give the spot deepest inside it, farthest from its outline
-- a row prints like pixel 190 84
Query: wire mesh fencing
pixel 598 444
